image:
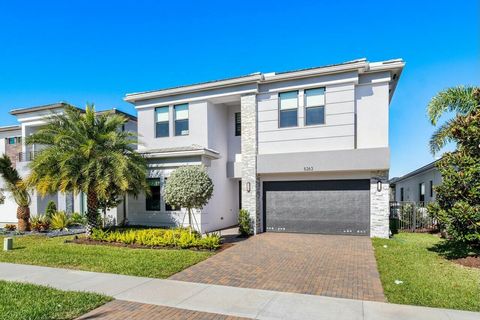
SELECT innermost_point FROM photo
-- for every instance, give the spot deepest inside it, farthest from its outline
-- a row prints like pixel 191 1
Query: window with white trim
pixel 288 109
pixel 181 119
pixel 161 122
pixel 314 106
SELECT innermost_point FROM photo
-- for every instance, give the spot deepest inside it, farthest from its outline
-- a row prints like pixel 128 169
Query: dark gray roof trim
pixel 41 108
pixel 10 128
pixel 415 172
pixel 120 112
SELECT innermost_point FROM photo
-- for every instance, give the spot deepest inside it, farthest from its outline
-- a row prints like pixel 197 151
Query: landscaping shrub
pixel 78 219
pixel 10 227
pixel 40 223
pixel 244 222
pixel 179 238
pixel 59 221
pixel 51 209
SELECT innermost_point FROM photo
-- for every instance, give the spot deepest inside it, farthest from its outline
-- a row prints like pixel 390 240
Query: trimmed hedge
pixel 174 238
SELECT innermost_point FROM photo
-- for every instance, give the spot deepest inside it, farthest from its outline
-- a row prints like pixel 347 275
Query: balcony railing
pixel 27 156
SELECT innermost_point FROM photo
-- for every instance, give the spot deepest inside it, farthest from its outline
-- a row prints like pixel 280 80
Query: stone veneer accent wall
pixel 250 200
pixel 379 205
pixel 12 151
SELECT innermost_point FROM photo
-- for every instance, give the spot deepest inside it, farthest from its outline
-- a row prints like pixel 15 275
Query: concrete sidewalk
pixel 240 302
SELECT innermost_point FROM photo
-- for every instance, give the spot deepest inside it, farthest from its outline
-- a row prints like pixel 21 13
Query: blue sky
pixel 96 51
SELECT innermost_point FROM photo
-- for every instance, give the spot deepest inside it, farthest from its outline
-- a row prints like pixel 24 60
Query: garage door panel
pixel 343 210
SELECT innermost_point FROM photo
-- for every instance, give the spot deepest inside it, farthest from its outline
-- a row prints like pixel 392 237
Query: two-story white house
pixel 303 151
pixel 12 143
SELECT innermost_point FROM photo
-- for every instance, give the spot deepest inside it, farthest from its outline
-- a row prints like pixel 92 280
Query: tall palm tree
pixel 461 100
pixel 14 184
pixel 87 152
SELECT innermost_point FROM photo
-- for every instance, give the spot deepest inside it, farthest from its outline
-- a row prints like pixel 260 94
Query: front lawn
pixel 54 252
pixel 429 279
pixel 21 301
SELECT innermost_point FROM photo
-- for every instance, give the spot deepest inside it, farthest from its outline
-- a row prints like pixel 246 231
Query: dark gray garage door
pixel 320 206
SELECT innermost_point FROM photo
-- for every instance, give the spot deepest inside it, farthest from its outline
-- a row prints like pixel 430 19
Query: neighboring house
pixel 417 186
pixel 12 143
pixel 303 151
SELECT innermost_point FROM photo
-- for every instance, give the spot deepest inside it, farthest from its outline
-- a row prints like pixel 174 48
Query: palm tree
pixel 461 100
pixel 14 184
pixel 87 152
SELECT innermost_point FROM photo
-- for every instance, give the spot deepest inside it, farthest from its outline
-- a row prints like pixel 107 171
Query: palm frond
pixel 459 99
pixel 441 136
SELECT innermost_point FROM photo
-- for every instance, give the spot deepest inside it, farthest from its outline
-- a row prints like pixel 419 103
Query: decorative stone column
pixel 379 205
pixel 250 181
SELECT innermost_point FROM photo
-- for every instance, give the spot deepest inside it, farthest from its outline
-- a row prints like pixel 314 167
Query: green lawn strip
pixel 429 279
pixel 26 301
pixel 54 252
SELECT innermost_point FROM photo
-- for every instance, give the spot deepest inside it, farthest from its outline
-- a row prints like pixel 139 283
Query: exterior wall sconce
pixel 248 187
pixel 379 185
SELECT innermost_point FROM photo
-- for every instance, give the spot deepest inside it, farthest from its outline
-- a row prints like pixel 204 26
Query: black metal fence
pixel 411 217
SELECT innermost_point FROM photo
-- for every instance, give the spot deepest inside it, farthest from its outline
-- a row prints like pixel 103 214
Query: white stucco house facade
pixel 12 143
pixel 303 151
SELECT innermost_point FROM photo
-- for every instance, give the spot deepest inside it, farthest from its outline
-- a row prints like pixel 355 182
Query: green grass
pixel 54 252
pixel 429 279
pixel 25 301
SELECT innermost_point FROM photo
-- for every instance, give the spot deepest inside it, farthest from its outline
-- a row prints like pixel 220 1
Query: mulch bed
pixel 138 246
pixel 472 262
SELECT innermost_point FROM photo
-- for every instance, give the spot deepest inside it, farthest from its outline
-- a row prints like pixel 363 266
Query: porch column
pixel 379 204
pixel 250 181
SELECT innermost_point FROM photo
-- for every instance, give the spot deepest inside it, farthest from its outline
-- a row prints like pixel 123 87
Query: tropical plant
pixel 189 187
pixel 78 219
pixel 461 100
pixel 87 152
pixel 244 223
pixel 10 227
pixel 51 209
pixel 40 223
pixel 457 206
pixel 177 238
pixel 15 185
pixel 59 221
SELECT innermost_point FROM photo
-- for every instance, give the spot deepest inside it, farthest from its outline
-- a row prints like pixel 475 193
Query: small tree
pixel 189 187
pixel 458 197
pixel 16 186
pixel 51 209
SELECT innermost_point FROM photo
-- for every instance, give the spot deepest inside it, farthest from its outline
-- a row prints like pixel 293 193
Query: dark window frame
pixel 306 108
pixel 162 123
pixel 12 140
pixel 176 122
pixel 238 124
pixel 431 188
pixel 150 201
pixel 280 111
pixel 421 195
pixel 401 194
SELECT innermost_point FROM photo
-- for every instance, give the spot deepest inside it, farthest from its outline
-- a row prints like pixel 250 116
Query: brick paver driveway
pixel 336 266
pixel 118 309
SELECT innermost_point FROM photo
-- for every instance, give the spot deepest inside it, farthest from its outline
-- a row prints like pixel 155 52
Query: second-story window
pixel 288 105
pixel 161 122
pixel 238 124
pixel 314 106
pixel 181 119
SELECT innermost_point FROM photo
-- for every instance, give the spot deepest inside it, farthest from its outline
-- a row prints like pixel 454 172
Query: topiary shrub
pixel 189 187
pixel 244 223
pixel 51 209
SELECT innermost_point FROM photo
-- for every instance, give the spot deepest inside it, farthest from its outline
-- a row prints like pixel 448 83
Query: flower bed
pixel 173 238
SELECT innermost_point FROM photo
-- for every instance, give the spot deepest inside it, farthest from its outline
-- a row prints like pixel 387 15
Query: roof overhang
pixel 208 153
pixel 361 66
pixel 10 128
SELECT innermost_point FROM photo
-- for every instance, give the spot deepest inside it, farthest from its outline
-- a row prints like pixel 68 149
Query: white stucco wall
pixel 372 109
pixel 337 133
pixel 411 186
